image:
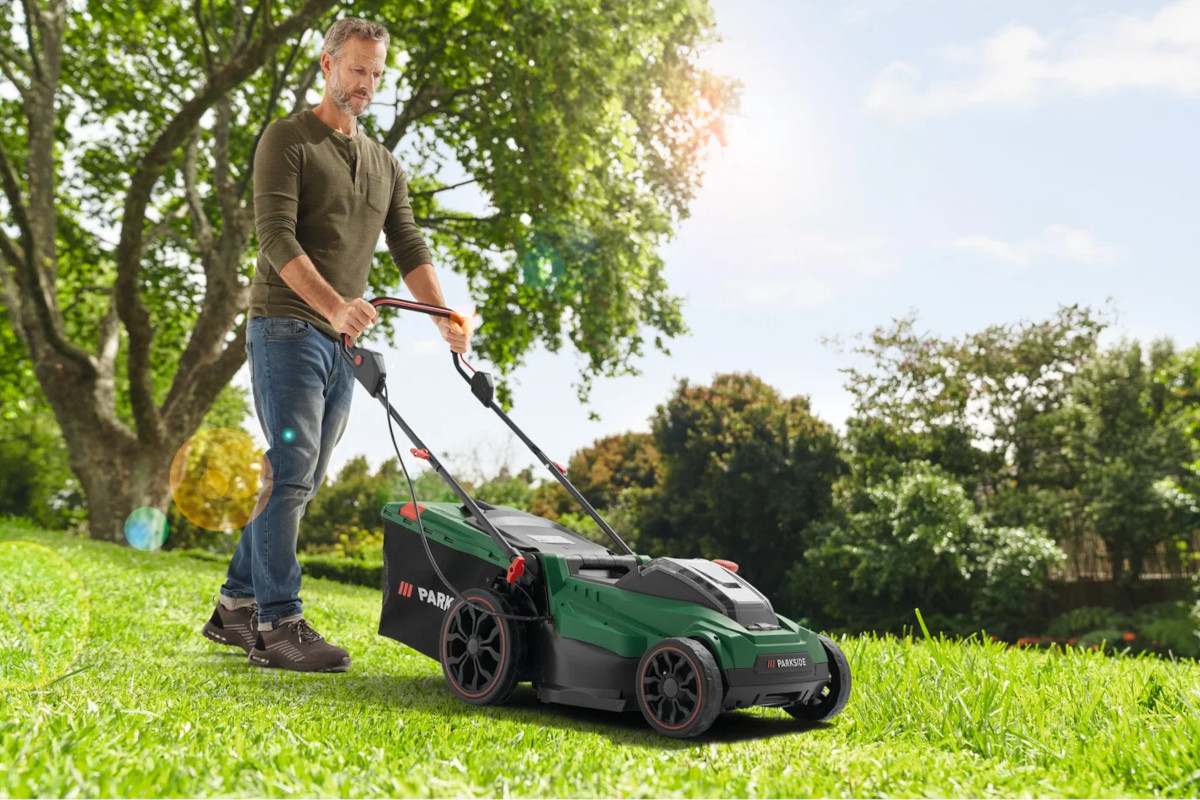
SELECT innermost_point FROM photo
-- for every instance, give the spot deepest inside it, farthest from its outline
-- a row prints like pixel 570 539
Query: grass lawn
pixel 107 688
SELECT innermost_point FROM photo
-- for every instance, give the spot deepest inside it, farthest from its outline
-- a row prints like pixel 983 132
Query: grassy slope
pixel 154 709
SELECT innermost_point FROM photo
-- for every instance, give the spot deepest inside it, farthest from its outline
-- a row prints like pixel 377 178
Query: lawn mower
pixel 499 597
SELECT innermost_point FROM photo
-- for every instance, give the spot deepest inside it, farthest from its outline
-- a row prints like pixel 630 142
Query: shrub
pixel 344 570
pixel 1088 618
pixel 915 541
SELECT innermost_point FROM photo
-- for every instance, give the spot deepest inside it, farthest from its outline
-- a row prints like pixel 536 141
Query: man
pixel 323 191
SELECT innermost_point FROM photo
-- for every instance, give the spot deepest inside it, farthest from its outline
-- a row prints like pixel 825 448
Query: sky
pixel 975 163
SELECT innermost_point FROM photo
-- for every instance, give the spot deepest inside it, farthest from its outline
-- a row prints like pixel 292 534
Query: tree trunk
pixel 117 480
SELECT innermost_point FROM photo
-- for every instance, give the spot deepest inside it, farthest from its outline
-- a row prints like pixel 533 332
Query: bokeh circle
pixel 220 479
pixel 146 529
pixel 541 265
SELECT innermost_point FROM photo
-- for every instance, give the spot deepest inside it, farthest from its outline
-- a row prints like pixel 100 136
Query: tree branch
pixel 418 105
pixel 12 192
pixel 9 59
pixel 8 249
pixel 432 221
pixel 130 305
pixel 428 192
pixel 210 367
pixel 201 229
pixel 10 290
pixel 30 9
pixel 198 15
pixel 107 345
pixel 210 379
pixel 33 267
pixel 227 196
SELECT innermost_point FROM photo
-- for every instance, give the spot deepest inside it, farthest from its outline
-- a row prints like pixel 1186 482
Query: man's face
pixel 351 80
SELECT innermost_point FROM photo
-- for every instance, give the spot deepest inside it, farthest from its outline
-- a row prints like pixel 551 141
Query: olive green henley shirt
pixel 322 193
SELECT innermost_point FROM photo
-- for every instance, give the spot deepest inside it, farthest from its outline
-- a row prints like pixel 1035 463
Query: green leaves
pixel 915 540
pixel 582 128
pixel 742 473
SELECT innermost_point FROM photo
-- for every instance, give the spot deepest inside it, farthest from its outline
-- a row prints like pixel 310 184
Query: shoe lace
pixel 304 631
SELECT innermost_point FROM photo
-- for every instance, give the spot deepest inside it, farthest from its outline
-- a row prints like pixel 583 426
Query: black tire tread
pixel 514 631
pixel 828 707
pixel 710 677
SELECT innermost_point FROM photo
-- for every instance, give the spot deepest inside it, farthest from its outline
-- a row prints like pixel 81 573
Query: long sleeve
pixel 277 163
pixel 404 239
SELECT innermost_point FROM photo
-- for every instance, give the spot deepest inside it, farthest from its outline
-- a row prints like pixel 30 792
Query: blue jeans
pixel 302 392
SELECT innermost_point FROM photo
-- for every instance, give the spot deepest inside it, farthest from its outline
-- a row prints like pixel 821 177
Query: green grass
pixel 125 698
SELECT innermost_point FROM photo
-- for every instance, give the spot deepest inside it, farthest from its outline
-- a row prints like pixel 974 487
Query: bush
pixel 1105 638
pixel 362 572
pixel 1166 629
pixel 915 541
pixel 1088 618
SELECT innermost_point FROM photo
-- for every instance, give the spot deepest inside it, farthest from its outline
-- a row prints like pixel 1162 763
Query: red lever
pixel 729 565
pixel 560 467
pixel 516 569
pixel 422 454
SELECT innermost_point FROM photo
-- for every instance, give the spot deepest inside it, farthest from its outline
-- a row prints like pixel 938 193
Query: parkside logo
pixel 439 599
pixel 787 663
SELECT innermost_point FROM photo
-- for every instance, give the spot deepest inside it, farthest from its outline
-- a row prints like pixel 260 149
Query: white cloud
pixel 1018 67
pixel 810 271
pixel 1055 242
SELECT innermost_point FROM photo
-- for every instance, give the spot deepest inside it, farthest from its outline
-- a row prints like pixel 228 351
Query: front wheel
pixel 679 687
pixel 830 699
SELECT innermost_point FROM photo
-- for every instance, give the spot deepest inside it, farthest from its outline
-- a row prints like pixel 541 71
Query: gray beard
pixel 341 98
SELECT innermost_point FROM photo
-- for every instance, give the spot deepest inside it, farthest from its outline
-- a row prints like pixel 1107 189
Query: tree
pixel 976 406
pixel 743 471
pixel 126 165
pixel 602 472
pixel 1127 432
pixel 986 408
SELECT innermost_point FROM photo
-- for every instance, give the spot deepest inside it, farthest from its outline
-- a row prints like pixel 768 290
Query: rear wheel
pixel 828 701
pixel 679 687
pixel 482 653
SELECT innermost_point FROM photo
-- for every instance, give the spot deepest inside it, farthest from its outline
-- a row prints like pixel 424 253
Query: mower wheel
pixel 482 654
pixel 829 701
pixel 679 687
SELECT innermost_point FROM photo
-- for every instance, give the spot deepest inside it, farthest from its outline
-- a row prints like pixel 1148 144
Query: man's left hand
pixel 459 338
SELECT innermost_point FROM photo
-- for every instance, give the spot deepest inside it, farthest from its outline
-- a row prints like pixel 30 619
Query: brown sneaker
pixel 295 645
pixel 237 628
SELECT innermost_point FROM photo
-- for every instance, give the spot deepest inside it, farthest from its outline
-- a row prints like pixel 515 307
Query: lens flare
pixel 45 615
pixel 220 479
pixel 541 265
pixel 146 528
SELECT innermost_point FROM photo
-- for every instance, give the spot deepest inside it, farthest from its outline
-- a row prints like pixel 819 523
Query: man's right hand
pixel 353 317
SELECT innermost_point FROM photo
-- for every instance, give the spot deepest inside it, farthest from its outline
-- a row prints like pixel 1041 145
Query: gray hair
pixel 343 29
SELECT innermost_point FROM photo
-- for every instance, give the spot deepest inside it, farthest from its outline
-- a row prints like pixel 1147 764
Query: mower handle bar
pixel 557 471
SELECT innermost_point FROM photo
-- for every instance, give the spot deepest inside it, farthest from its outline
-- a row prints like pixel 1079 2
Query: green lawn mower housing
pixel 500 597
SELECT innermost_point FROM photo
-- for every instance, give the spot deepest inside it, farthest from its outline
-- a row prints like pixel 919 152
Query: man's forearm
pixel 423 285
pixel 302 277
